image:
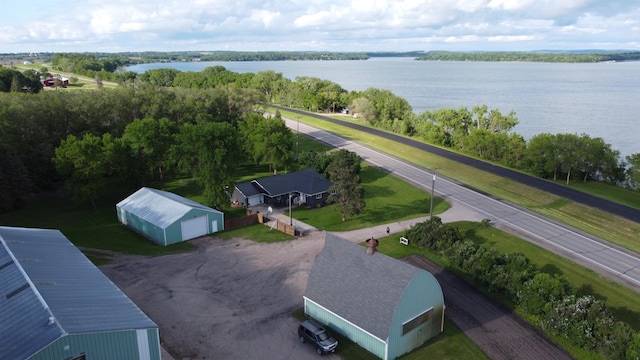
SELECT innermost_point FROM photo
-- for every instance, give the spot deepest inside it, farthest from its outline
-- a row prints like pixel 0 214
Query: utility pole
pixel 433 185
pixel 297 137
pixel 290 213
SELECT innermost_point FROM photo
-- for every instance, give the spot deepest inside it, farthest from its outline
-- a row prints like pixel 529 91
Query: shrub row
pixel 548 299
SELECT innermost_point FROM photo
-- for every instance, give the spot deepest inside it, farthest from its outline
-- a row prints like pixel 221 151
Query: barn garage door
pixel 194 227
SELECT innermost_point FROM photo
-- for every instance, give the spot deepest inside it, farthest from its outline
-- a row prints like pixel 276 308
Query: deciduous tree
pixel 346 192
pixel 83 164
pixel 209 152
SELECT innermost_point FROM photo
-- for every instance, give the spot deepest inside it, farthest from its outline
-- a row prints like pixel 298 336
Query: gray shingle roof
pixel 364 289
pixel 43 275
pixel 248 189
pixel 307 181
pixel 159 207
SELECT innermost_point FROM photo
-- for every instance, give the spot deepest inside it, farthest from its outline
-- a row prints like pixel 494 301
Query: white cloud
pixel 340 25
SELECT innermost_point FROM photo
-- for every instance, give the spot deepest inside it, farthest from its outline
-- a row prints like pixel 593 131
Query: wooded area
pixel 187 112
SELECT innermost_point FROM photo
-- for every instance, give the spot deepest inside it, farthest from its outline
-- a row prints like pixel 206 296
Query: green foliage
pixel 387 199
pixel 317 160
pixel 633 172
pixel 540 293
pixel 84 164
pixel 149 140
pixel 583 321
pixel 209 152
pixel 15 81
pixel 346 192
pixel 89 65
pixel 564 155
pixel 529 56
pixel 267 140
pixel 14 180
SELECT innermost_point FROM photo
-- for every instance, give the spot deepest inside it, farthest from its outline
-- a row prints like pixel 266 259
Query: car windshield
pixel 323 336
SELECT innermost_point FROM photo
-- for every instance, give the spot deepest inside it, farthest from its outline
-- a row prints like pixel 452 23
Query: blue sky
pixel 318 25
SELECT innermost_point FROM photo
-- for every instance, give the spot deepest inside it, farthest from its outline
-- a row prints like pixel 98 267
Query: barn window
pixel 416 321
pixel 319 196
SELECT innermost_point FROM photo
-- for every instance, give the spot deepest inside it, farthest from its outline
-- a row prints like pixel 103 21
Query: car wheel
pixel 301 338
pixel 319 351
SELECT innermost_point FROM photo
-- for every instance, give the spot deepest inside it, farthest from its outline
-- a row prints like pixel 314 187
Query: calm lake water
pixel 601 100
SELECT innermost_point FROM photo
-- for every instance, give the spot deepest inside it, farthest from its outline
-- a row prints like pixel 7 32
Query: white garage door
pixel 255 200
pixel 194 227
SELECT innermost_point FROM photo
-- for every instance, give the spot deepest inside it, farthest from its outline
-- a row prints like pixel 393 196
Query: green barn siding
pixel 344 328
pixel 173 233
pixel 154 344
pixel 145 228
pixel 121 345
pixel 422 292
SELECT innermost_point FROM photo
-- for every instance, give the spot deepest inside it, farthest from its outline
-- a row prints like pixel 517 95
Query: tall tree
pixel 267 140
pixel 150 140
pixel 346 192
pixel 209 152
pixel 633 172
pixel 14 180
pixel 83 164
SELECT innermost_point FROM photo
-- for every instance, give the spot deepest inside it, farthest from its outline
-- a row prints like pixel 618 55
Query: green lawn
pixel 86 227
pixel 614 229
pixel 451 344
pixel 387 199
pixel 256 232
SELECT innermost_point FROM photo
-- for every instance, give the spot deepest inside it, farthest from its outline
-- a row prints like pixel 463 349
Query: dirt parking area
pixel 226 299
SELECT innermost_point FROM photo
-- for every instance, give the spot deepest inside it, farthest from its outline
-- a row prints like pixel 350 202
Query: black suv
pixel 311 331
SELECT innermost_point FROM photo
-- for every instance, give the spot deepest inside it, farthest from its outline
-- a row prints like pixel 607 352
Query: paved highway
pixel 614 262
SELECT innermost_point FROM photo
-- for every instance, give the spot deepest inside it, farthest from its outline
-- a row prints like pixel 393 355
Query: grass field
pixel 615 229
pixel 387 199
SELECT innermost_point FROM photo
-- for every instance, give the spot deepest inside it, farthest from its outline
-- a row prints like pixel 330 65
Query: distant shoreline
pixel 133 58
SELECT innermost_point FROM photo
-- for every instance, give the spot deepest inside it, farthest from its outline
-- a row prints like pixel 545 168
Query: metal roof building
pixel 384 305
pixel 167 218
pixel 55 304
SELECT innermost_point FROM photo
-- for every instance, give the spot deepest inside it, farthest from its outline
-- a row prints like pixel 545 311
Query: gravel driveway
pixel 226 299
pixel 233 299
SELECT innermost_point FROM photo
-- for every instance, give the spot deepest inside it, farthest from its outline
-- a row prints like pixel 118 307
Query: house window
pixel 417 321
pixel 319 196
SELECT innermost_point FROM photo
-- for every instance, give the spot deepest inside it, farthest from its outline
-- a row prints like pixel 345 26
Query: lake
pixel 601 99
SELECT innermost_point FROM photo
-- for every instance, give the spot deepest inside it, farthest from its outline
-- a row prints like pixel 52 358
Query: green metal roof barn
pixel 383 304
pixel 55 304
pixel 167 218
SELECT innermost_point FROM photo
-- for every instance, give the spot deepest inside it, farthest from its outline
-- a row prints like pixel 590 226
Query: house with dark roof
pixel 55 304
pixel 167 218
pixel 305 187
pixel 384 305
